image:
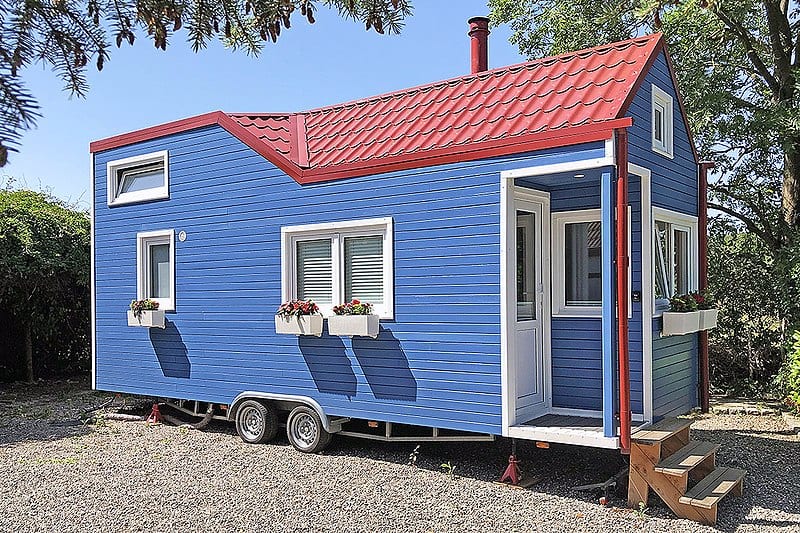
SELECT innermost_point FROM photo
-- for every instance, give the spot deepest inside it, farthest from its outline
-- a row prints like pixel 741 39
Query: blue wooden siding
pixel 674 187
pixel 674 180
pixel 674 376
pixel 437 363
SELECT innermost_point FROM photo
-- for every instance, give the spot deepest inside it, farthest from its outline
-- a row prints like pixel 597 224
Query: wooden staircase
pixel 681 471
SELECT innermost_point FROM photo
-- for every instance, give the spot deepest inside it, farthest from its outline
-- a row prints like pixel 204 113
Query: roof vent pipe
pixel 479 37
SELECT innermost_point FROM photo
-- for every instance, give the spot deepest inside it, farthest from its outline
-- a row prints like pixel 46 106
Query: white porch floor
pixel 565 429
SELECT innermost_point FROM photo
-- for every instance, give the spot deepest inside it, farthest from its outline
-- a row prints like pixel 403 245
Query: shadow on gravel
pixel 44 411
pixel 772 481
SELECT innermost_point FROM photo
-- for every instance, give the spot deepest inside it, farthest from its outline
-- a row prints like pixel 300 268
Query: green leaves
pixel 44 274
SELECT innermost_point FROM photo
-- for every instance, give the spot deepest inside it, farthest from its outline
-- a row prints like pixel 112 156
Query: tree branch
pixel 747 40
pixel 748 223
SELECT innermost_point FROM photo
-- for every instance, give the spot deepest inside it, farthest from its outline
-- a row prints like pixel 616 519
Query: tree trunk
pixel 28 354
pixel 790 195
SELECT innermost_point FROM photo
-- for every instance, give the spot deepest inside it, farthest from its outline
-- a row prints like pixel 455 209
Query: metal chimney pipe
pixel 479 37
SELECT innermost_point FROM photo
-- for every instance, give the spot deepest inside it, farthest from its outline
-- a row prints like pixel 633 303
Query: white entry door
pixel 527 325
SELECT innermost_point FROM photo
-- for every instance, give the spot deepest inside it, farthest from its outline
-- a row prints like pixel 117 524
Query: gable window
pixel 577 263
pixel 155 258
pixel 138 178
pixel 662 124
pixel 340 261
pixel 674 255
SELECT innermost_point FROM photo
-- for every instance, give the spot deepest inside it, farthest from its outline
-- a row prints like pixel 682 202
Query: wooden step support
pixel 665 460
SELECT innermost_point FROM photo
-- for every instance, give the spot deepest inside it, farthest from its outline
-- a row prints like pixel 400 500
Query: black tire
pixel 305 431
pixel 256 421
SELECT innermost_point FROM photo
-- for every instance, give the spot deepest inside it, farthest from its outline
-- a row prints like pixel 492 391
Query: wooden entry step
pixel 662 430
pixel 664 460
pixel 687 458
pixel 712 488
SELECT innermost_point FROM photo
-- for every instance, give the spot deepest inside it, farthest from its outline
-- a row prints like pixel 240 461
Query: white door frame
pixel 508 195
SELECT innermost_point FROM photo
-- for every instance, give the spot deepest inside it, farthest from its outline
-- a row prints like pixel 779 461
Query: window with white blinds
pixel 363 269
pixel 315 271
pixel 333 263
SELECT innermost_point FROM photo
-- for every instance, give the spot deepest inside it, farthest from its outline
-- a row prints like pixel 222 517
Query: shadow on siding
pixel 328 363
pixel 171 351
pixel 385 366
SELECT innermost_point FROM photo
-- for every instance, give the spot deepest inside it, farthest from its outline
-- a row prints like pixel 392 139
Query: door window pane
pixel 314 271
pixel 526 266
pixel 582 264
pixel 159 271
pixel 363 269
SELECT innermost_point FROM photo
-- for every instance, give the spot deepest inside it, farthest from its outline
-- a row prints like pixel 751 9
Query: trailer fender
pixel 330 427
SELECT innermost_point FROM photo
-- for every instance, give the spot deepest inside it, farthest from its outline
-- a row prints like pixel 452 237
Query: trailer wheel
pixel 305 431
pixel 256 422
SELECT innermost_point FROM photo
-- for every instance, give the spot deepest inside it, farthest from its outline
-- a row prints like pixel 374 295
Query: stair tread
pixel 686 458
pixel 712 488
pixel 661 430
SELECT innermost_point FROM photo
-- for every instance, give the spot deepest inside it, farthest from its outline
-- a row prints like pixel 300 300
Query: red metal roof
pixel 564 99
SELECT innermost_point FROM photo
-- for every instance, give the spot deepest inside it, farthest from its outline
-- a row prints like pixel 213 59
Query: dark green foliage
pixel 44 280
pixel 68 35
pixel 789 378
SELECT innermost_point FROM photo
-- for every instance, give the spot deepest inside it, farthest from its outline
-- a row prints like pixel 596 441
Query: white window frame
pixel 143 240
pixel 156 193
pixel 663 100
pixel 682 222
pixel 337 231
pixel 558 225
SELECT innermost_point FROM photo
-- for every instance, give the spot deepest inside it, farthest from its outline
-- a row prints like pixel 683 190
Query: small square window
pixel 662 124
pixel 138 179
pixel 156 268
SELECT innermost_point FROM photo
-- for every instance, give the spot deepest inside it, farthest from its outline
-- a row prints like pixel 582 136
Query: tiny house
pixel 518 231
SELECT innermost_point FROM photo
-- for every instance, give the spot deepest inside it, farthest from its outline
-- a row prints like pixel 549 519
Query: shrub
pixel 789 378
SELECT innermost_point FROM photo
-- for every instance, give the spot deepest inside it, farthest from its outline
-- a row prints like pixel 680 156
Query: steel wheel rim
pixel 252 423
pixel 304 430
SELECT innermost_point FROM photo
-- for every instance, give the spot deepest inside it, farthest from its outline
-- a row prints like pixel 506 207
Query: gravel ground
pixel 128 476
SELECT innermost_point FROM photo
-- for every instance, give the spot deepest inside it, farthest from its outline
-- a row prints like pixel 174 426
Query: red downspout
pixel 622 292
pixel 702 222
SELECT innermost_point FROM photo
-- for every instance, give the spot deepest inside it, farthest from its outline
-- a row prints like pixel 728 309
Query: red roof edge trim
pixel 651 59
pixel 660 46
pixel 565 137
pixel 689 134
pixel 154 132
pixel 260 147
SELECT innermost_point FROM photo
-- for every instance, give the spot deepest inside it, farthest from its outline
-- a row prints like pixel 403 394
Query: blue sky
pixel 325 63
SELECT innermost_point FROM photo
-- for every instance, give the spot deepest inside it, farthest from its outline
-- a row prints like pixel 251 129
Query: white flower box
pixel 354 325
pixel 299 325
pixel 708 318
pixel 147 319
pixel 680 323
